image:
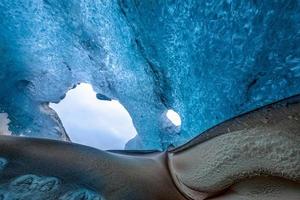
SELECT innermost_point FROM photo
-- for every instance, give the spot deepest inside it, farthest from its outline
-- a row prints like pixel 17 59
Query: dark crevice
pixel 162 85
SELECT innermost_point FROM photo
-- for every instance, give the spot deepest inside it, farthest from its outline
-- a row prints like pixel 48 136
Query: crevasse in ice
pixel 207 60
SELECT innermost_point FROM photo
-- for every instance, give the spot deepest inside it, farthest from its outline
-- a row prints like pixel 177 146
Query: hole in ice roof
pixel 174 117
pixel 98 123
pixel 4 127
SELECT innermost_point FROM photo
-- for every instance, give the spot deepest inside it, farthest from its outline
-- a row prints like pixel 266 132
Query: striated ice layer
pixel 207 60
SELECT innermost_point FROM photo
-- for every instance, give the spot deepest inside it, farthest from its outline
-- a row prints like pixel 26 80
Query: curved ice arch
pixel 208 60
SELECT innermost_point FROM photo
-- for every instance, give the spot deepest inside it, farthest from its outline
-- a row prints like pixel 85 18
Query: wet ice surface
pixel 207 60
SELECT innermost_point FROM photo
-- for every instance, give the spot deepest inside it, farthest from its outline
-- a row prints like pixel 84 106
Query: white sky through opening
pixel 4 121
pixel 93 122
pixel 174 117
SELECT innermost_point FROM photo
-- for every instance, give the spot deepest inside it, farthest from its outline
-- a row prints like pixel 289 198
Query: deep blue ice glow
pixel 207 60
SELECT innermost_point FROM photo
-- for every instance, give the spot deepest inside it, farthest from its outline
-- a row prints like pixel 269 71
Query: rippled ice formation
pixel 207 60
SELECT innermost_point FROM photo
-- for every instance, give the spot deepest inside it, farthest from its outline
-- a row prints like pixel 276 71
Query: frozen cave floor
pixel 255 156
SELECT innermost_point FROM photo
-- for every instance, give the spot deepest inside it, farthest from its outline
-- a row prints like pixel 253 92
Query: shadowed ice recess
pixel 206 60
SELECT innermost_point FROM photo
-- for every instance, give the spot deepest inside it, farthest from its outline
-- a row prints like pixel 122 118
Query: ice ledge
pixel 264 142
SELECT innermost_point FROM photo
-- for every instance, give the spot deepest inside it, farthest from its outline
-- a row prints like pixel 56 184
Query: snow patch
pixel 4 121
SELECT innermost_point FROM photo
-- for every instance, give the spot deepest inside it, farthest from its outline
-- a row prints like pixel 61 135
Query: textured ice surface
pixel 222 162
pixel 207 60
pixel 43 188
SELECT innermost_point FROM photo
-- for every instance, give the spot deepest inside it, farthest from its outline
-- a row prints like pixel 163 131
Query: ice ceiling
pixel 207 60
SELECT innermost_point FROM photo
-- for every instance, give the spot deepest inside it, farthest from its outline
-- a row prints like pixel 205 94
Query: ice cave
pixel 197 100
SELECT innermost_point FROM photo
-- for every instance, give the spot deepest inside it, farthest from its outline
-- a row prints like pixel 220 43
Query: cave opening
pixel 4 124
pixel 103 124
pixel 174 117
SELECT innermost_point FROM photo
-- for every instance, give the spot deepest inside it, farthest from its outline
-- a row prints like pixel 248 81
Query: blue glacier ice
pixel 208 60
pixel 3 163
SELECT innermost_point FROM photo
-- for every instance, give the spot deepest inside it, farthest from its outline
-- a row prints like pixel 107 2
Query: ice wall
pixel 207 60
